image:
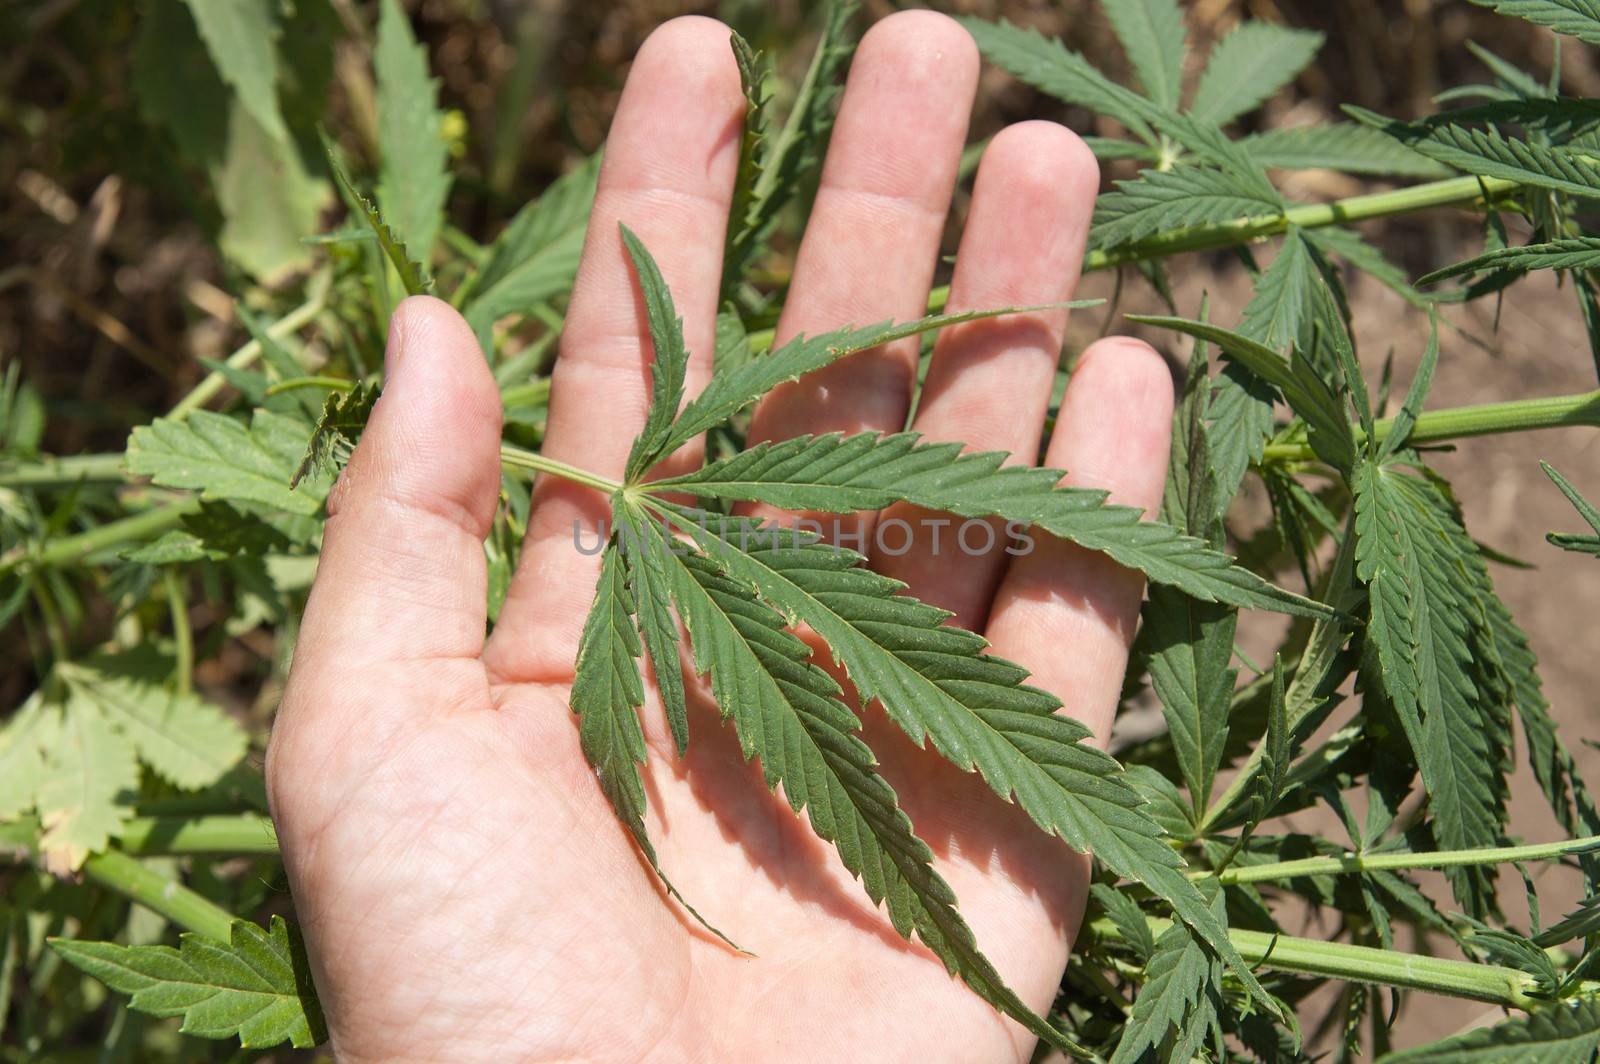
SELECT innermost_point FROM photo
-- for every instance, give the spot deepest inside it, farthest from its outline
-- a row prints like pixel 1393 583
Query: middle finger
pixel 872 243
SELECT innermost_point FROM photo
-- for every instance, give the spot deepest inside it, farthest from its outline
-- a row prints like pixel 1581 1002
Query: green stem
pixel 1487 419
pixel 1363 964
pixel 1371 862
pixel 51 471
pixel 135 528
pixel 524 459
pixel 230 835
pixel 531 394
pixel 213 382
pixel 1449 192
pixel 1323 644
pixel 117 871
pixel 336 383
pixel 182 632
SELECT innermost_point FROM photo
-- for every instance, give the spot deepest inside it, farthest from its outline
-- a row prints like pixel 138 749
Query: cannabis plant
pixel 142 859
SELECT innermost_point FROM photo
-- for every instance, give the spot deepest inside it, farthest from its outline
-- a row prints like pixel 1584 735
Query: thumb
pixel 402 575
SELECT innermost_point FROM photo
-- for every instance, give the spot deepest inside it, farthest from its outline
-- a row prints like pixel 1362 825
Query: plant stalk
pixel 232 835
pixel 1372 862
pixel 1507 987
pixel 116 871
pixel 297 318
pixel 1454 423
pixel 135 528
pixel 182 631
pixel 50 471
pixel 519 458
pixel 1445 193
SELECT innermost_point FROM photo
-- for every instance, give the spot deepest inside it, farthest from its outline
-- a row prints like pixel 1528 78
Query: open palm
pixel 465 889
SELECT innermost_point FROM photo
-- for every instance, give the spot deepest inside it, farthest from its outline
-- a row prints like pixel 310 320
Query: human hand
pixel 465 890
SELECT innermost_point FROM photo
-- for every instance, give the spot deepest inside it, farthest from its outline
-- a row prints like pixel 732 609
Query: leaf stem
pixel 336 383
pixel 230 835
pixel 50 471
pixel 116 871
pixel 530 394
pixel 1445 193
pixel 1486 419
pixel 214 381
pixel 134 528
pixel 523 459
pixel 210 835
pixel 182 632
pixel 1371 862
pixel 1508 987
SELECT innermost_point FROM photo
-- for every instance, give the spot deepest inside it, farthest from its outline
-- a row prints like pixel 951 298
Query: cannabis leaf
pixel 189 741
pixel 744 583
pixel 1354 149
pixel 1160 200
pixel 1486 152
pixel 413 276
pixel 1051 68
pixel 1582 544
pixel 223 458
pixel 1575 18
pixel 256 986
pixel 839 474
pixel 1408 550
pixel 25 741
pixel 1251 63
pixel 1180 999
pixel 1571 253
pixel 338 430
pixel 414 179
pixel 239 34
pixel 1562 1033
pixel 536 255
pixel 1152 33
pixel 773 167
pixel 728 393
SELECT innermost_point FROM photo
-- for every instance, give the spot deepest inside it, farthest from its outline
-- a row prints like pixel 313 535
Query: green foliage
pixel 338 430
pixel 414 181
pixel 1573 253
pixel 255 987
pixel 239 35
pixel 1252 62
pixel 1583 544
pixel 1355 149
pixel 1557 1034
pixel 1177 199
pixel 224 458
pixel 868 471
pixel 413 275
pixel 1388 702
pixel 1152 32
pixel 1575 18
pixel 536 255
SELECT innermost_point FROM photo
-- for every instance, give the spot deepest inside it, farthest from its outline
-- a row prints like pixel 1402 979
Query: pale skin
pixel 465 890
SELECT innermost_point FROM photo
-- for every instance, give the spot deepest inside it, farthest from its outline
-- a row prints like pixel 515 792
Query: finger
pixel 872 241
pixel 1066 613
pixel 989 381
pixel 402 575
pixel 668 175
